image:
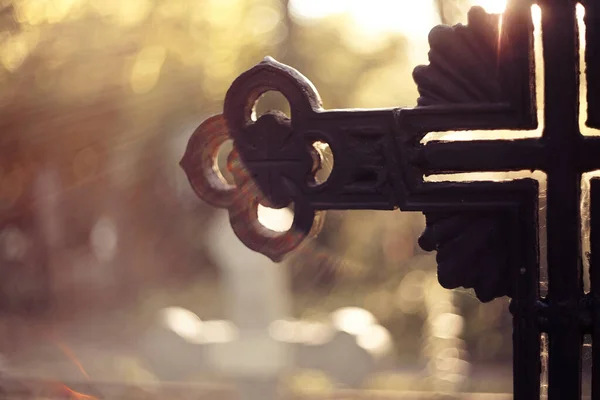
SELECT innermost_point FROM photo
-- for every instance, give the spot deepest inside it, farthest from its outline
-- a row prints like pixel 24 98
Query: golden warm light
pixel 146 70
pixel 375 16
pixel 371 23
pixel 491 6
pixel 405 16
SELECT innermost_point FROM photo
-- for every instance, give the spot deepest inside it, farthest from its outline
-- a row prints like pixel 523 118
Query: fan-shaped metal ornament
pixel 463 63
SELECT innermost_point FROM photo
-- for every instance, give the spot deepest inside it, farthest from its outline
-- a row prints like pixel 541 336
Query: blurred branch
pixel 441 10
pixel 450 11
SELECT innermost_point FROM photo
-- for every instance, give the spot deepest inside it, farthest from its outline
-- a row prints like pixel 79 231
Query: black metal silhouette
pixel 486 233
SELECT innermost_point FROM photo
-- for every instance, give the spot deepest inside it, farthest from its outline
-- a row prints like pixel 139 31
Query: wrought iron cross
pixel 480 76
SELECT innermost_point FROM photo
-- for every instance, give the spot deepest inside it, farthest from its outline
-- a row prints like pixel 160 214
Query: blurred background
pixel 115 276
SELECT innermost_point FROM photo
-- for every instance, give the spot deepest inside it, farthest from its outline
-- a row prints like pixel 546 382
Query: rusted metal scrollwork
pixel 271 163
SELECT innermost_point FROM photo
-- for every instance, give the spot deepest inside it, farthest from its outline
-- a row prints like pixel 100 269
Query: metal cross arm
pixel 379 161
pixel 480 77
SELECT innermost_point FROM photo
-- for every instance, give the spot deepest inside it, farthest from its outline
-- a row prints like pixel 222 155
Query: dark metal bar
pixel 481 155
pixel 443 118
pixel 592 62
pixel 517 70
pixel 501 155
pixel 358 140
pixel 561 59
pixel 595 285
pixel 526 329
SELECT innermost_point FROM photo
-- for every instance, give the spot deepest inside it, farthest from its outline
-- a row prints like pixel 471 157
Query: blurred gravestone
pixel 257 344
pixel 171 346
pixel 347 350
pixel 256 294
pixel 341 359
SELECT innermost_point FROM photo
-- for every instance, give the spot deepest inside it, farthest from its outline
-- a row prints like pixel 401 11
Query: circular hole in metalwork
pixel 269 101
pixel 277 220
pixel 13 244
pixel 322 162
pixel 220 163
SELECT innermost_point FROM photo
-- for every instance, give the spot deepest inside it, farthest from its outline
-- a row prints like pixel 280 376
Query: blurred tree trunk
pixel 451 11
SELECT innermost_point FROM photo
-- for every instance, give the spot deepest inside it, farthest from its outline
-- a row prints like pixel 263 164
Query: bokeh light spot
pixel 277 220
pixel 146 69
pixel 353 320
pixel 183 322
pixel 104 239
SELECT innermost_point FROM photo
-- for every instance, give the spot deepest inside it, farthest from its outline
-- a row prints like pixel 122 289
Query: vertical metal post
pixel 526 330
pixel 561 134
pixel 592 61
pixel 595 284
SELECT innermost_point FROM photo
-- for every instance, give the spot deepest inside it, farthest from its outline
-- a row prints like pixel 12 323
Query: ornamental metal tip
pixel 199 163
